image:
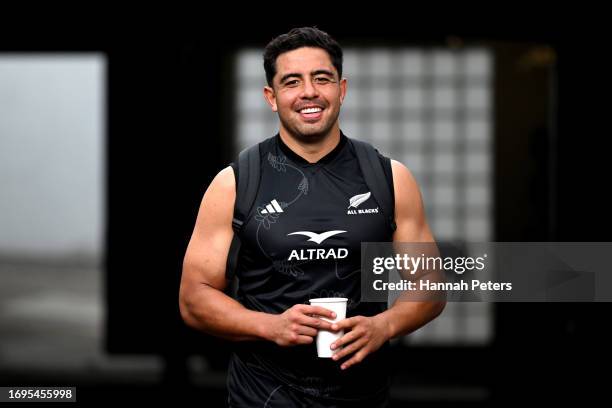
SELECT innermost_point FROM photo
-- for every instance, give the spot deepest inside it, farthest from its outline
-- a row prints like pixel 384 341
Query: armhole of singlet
pixel 235 168
pixel 386 163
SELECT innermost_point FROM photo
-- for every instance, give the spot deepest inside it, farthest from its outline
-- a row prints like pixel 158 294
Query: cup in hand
pixel 326 338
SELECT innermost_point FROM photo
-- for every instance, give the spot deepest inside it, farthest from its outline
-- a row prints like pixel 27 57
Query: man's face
pixel 306 93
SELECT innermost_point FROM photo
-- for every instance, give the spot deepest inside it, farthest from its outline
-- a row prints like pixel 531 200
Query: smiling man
pixel 307 94
pixel 313 208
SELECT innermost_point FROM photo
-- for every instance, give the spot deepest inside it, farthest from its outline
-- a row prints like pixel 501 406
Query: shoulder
pixel 402 175
pixel 225 178
pixel 217 205
pixel 407 192
pixel 412 225
pixel 223 185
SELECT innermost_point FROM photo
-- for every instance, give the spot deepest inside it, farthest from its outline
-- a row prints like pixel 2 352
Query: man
pixel 309 172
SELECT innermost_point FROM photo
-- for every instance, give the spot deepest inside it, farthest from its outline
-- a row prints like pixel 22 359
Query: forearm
pixel 404 317
pixel 210 310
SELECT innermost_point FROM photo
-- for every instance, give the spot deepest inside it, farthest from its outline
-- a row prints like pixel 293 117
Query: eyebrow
pixel 313 73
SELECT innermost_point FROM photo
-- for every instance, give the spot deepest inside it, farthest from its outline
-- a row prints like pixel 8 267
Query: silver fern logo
pixel 356 200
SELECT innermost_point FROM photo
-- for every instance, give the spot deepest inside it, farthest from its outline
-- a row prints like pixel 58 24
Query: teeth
pixel 311 110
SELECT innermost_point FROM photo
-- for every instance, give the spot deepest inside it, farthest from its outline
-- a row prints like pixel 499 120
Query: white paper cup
pixel 326 338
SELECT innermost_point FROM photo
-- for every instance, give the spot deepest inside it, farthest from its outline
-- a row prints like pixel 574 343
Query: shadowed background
pixel 107 144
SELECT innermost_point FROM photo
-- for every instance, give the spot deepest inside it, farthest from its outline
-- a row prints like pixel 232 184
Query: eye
pixel 322 79
pixel 291 83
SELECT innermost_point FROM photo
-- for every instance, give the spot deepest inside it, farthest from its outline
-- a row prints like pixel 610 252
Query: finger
pixel 350 349
pixel 356 359
pixel 315 322
pixel 346 323
pixel 347 338
pixel 305 330
pixel 301 339
pixel 320 311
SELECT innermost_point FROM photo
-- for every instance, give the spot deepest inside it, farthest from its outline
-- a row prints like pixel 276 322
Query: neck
pixel 313 150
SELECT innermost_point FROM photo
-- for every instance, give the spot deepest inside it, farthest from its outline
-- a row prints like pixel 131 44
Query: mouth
pixel 311 113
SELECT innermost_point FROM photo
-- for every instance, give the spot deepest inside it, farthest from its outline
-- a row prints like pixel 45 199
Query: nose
pixel 309 90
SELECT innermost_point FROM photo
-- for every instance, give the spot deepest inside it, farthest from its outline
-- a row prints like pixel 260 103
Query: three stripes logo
pixel 272 208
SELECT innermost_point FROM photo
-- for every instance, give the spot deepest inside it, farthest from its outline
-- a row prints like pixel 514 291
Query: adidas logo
pixel 272 208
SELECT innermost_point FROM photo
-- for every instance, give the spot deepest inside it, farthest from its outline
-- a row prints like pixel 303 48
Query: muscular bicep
pixel 410 218
pixel 412 228
pixel 206 255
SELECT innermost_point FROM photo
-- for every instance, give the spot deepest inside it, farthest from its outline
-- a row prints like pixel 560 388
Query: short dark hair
pixel 298 38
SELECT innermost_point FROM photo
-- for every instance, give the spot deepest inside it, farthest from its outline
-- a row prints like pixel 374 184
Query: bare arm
pixel 203 304
pixel 406 316
pixel 368 334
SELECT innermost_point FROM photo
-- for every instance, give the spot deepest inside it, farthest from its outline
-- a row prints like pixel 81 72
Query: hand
pixel 298 326
pixel 366 335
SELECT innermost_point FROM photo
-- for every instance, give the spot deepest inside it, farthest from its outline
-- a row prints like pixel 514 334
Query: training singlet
pixel 302 240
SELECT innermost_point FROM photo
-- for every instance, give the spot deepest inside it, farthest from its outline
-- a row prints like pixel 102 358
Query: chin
pixel 311 134
pixel 307 132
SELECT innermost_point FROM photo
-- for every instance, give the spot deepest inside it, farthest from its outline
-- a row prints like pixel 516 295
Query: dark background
pixel 169 132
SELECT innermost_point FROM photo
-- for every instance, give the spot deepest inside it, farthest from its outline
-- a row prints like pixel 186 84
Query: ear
pixel 270 97
pixel 343 87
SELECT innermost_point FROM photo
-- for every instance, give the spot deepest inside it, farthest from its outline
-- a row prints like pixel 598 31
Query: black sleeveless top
pixel 302 240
